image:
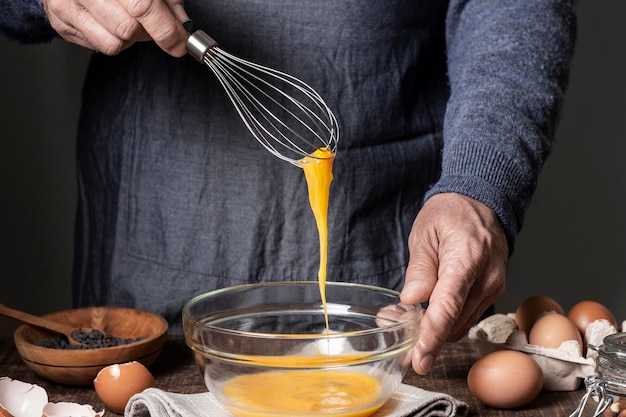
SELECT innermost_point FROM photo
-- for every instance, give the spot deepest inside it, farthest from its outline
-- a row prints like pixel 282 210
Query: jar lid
pixel 614 347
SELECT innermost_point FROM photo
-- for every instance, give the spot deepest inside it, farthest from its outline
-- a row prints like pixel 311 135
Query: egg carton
pixel 563 367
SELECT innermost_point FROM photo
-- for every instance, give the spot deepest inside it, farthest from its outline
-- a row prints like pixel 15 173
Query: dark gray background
pixel 571 248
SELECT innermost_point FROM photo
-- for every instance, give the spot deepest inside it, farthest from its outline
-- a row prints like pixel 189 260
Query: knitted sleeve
pixel 508 63
pixel 25 21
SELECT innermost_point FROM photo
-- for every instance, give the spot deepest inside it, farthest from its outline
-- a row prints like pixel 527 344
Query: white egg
pixel 21 399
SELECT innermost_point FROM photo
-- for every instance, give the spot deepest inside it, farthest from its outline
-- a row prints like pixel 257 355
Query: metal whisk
pixel 283 113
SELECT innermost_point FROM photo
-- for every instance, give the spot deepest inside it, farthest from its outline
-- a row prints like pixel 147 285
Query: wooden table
pixel 176 371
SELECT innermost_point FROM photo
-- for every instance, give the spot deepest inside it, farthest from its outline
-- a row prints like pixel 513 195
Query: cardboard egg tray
pixel 563 367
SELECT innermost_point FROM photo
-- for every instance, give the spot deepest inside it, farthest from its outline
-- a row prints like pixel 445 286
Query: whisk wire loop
pixel 238 85
pixel 284 114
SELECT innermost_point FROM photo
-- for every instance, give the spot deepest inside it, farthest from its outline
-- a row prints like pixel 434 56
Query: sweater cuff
pixel 486 175
pixel 25 21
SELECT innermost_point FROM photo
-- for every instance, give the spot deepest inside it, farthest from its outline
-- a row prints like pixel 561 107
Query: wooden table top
pixel 176 371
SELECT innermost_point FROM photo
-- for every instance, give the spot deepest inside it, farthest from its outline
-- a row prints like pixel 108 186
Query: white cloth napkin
pixel 407 401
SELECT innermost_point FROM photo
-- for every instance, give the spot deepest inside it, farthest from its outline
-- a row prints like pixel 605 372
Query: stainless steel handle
pixel 199 45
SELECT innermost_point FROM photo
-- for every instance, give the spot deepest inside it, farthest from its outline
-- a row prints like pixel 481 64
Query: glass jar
pixel 608 383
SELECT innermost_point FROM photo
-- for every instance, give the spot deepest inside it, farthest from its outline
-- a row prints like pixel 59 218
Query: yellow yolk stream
pixel 293 391
pixel 318 172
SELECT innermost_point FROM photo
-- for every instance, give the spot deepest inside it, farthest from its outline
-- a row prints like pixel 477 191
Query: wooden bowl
pixel 80 366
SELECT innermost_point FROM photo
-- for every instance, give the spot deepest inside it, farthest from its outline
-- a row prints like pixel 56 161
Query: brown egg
pixel 531 308
pixel 586 312
pixel 553 329
pixel 115 384
pixel 505 379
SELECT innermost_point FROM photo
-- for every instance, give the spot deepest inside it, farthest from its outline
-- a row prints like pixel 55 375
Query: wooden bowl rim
pixel 18 335
pixel 146 358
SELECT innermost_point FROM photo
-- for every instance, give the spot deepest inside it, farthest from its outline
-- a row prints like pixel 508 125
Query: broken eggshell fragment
pixel 115 384
pixel 20 399
pixel 65 409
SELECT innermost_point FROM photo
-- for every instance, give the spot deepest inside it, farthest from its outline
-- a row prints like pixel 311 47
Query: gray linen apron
pixel 177 199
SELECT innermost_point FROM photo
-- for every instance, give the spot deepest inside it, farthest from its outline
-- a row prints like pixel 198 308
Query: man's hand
pixel 458 256
pixel 110 26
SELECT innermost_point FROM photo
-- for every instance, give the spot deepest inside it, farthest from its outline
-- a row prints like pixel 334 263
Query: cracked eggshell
pixel 21 399
pixel 115 384
pixel 64 409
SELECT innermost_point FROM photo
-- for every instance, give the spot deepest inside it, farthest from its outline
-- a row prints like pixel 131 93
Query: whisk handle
pixel 199 43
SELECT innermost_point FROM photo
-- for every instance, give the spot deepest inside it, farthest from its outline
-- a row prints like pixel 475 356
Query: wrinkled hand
pixel 458 256
pixel 110 26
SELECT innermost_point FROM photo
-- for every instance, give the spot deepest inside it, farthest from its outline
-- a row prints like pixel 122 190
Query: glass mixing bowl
pixel 265 349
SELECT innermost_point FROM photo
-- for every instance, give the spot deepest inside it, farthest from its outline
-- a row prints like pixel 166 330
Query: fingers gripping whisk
pixel 283 113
